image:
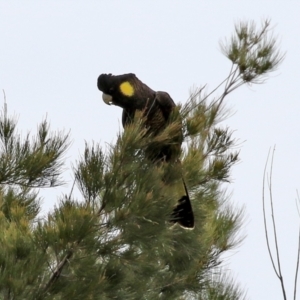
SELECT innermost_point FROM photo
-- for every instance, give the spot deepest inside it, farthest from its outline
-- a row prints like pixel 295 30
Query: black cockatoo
pixel 129 93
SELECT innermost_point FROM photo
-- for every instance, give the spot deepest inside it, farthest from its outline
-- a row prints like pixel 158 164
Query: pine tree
pixel 117 242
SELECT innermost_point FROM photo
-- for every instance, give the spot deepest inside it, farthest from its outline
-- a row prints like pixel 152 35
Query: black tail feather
pixel 183 212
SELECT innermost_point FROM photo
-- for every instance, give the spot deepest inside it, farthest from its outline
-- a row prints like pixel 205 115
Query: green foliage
pixel 28 163
pixel 253 51
pixel 89 171
pixel 24 164
pixel 117 242
pixel 220 288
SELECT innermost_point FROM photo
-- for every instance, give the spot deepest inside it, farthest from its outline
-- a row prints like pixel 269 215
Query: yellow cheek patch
pixel 127 89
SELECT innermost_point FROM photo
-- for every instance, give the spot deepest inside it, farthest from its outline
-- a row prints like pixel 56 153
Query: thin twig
pixel 265 221
pixel 274 229
pixel 210 93
pixel 71 192
pixel 298 257
pixel 297 205
pixel 226 85
pixel 228 89
pixel 297 267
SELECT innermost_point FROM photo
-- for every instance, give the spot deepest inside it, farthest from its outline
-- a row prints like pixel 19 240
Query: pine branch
pixel 57 272
pixel 253 54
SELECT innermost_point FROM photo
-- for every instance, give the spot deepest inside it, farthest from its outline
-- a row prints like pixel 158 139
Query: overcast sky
pixel 51 53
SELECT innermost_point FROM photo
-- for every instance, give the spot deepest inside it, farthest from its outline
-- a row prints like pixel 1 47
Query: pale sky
pixel 52 52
